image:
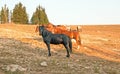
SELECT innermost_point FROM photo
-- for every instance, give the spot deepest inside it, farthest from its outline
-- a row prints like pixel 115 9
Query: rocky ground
pixel 22 51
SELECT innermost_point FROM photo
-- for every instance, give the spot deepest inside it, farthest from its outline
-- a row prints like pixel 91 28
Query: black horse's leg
pixel 48 46
pixel 67 49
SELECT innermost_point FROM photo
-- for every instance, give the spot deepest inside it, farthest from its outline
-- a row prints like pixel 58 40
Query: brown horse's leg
pixel 77 41
pixel 79 38
pixel 78 45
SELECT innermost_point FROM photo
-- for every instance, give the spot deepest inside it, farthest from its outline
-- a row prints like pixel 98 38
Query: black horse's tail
pixel 70 45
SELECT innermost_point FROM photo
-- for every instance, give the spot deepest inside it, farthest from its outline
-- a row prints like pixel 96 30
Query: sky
pixel 73 12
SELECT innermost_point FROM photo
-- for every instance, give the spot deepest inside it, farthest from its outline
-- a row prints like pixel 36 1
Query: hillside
pixel 22 51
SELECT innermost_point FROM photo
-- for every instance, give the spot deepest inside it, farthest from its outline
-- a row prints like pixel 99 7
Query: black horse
pixel 50 38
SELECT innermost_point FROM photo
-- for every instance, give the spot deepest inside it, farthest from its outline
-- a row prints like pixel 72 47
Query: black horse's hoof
pixel 68 56
pixel 49 55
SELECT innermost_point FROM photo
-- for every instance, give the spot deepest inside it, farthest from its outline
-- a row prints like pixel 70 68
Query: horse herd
pixel 59 34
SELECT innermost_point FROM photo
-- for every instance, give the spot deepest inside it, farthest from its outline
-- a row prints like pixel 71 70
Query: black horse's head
pixel 41 29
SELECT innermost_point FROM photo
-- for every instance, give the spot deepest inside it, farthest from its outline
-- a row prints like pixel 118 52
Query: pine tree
pixel 46 21
pixel 19 14
pixel 4 15
pixel 39 16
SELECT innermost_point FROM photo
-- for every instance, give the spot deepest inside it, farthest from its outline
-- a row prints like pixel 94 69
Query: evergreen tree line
pixel 20 16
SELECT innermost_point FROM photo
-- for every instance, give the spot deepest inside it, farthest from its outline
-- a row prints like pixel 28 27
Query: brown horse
pixel 57 26
pixel 72 34
pixel 61 30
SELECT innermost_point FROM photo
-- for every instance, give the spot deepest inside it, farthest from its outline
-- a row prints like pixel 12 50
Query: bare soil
pixel 98 54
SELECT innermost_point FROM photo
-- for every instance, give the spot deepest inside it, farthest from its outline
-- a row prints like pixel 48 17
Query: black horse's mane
pixel 45 32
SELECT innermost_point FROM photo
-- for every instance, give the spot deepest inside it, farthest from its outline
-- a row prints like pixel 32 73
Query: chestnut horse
pixel 72 34
pixel 62 30
pixel 48 26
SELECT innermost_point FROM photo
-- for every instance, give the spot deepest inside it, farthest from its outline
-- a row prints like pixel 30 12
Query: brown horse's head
pixel 37 28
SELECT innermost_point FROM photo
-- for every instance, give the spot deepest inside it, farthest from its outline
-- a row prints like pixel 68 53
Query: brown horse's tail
pixel 70 45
